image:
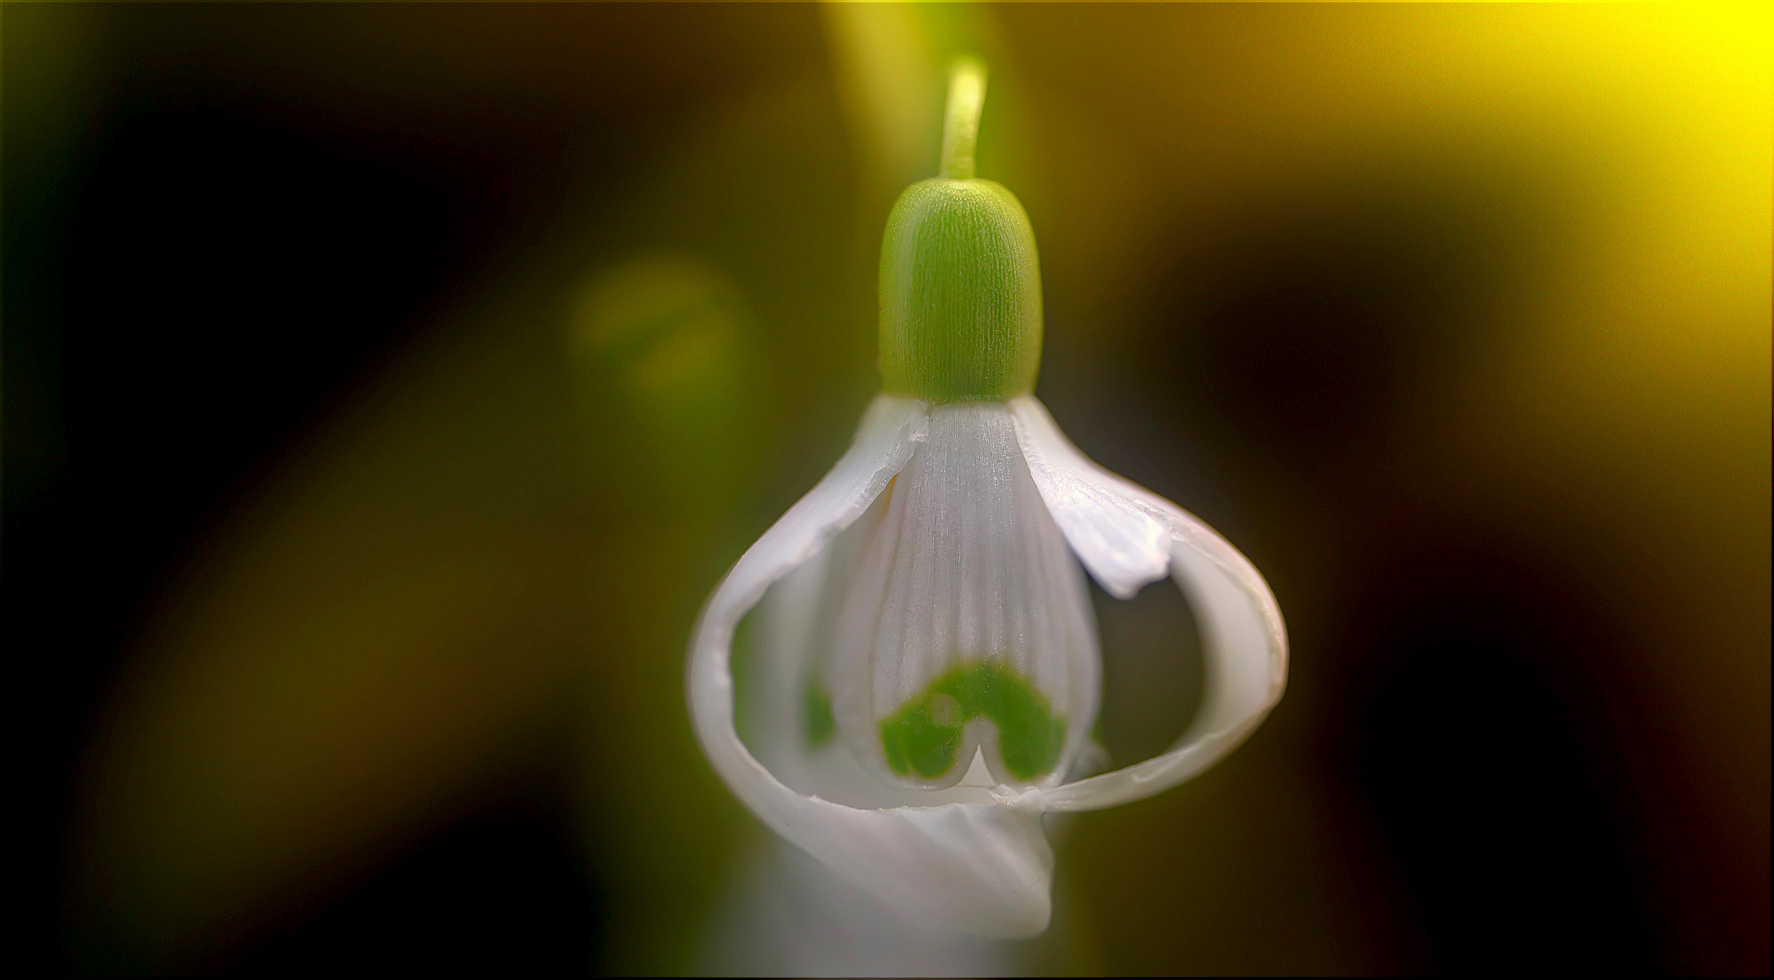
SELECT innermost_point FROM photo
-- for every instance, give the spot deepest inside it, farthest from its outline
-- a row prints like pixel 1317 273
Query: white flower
pixel 959 564
pixel 927 674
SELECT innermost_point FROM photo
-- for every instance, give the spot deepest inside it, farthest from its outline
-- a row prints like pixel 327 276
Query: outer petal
pixel 1128 536
pixel 981 868
pixel 1123 540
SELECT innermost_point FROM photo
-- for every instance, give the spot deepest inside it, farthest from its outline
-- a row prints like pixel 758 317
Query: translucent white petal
pixel 780 658
pixel 1121 538
pixel 1128 536
pixel 967 627
pixel 985 869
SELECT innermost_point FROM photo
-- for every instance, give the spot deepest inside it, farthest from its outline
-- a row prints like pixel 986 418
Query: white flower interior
pixel 966 629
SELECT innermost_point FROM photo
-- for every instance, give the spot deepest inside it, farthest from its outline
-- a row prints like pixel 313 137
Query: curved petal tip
pixel 1122 540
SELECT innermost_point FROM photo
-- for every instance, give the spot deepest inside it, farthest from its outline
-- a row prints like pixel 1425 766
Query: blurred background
pixel 385 388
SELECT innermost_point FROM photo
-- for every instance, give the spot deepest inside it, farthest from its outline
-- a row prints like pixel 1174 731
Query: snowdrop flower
pixel 927 675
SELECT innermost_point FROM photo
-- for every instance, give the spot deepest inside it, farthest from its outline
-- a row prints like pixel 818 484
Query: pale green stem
pixel 960 126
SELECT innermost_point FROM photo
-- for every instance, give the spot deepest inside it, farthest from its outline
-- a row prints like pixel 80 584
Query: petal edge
pixel 1244 637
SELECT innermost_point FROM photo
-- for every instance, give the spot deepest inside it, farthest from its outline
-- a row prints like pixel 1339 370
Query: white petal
pixel 967 627
pixel 779 664
pixel 796 631
pixel 1123 540
pixel 1109 522
pixel 984 869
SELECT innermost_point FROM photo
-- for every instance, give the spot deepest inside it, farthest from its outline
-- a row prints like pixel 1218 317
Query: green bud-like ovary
pixel 960 294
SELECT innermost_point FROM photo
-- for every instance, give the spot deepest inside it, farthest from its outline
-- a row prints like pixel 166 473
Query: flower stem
pixel 960 126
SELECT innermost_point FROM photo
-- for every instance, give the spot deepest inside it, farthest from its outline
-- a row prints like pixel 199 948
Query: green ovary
pixel 923 736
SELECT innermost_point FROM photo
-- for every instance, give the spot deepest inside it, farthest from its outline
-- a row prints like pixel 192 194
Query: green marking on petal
pixel 818 706
pixel 923 736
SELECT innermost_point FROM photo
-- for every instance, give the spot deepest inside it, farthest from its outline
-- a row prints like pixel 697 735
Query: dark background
pixel 352 541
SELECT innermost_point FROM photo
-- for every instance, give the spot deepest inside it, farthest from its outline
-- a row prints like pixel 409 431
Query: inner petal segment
pixel 967 627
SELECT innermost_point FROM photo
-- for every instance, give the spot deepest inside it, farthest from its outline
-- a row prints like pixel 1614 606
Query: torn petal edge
pixel 984 868
pixel 1128 537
